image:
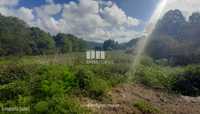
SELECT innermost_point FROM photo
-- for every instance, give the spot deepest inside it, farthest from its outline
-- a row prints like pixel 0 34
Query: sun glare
pixel 157 14
pixel 147 30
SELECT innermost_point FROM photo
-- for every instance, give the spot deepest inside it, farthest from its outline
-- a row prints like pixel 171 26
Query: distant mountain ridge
pixel 176 39
pixel 174 24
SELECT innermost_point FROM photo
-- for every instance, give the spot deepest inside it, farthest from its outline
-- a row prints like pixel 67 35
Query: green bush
pixel 163 62
pixel 97 87
pixel 12 90
pixel 113 74
pixel 156 76
pixel 188 82
pixel 150 76
pixel 73 106
pixel 146 108
pixel 146 61
pixel 83 78
pixel 91 84
pixel 48 88
pixel 13 72
pixel 41 106
pixel 42 87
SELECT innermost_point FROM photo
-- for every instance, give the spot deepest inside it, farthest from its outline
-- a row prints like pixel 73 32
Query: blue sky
pixel 33 3
pixel 119 20
pixel 141 9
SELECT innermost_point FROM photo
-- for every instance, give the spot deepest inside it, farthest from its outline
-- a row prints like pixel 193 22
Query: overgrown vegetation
pixel 188 82
pixel 43 88
pixel 183 80
pixel 146 108
pixel 55 88
pixel 53 83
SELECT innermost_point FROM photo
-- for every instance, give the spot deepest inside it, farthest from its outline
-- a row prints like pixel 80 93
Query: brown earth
pixel 124 96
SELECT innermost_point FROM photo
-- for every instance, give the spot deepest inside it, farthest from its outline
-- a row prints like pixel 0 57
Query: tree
pixel 68 43
pixel 43 42
pixel 110 45
pixel 14 37
pixel 176 39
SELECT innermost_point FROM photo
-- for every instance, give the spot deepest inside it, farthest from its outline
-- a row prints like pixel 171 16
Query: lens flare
pixel 155 17
pixel 147 30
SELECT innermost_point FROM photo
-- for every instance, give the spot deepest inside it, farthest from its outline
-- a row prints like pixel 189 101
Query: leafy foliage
pixel 17 38
pixel 176 39
pixel 146 107
pixel 46 88
pixel 43 43
pixel 69 43
pixel 53 88
pixel 91 85
pixel 188 82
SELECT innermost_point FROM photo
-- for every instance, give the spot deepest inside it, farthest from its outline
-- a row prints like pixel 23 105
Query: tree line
pixel 17 38
pixel 176 39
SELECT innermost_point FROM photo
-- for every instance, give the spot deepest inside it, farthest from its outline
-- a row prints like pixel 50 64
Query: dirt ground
pixel 124 96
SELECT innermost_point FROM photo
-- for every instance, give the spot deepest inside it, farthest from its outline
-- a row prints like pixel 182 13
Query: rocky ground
pixel 125 96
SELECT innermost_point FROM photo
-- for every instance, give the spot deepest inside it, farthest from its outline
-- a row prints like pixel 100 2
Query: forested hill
pixel 17 38
pixel 176 38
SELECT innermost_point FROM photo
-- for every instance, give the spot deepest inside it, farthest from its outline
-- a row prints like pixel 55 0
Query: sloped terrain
pixel 124 98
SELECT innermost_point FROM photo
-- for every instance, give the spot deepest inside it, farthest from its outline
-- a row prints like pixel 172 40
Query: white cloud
pixel 49 9
pixel 49 1
pixel 133 21
pixel 83 19
pixel 25 14
pixel 44 17
pixel 186 6
pixel 5 11
pixel 117 16
pixel 6 7
pixel 8 2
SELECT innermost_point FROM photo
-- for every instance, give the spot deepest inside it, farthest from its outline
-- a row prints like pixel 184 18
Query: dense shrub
pixel 12 90
pixel 41 106
pixel 45 88
pixel 188 82
pixel 50 89
pixel 83 77
pixel 147 61
pixel 98 87
pixel 91 84
pixel 9 73
pixel 156 76
pixel 183 80
pixel 146 108
pixel 114 74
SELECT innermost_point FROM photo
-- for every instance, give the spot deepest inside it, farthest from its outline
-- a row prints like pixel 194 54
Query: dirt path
pixel 124 96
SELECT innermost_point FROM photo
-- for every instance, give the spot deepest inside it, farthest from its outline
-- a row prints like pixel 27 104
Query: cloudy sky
pixel 120 20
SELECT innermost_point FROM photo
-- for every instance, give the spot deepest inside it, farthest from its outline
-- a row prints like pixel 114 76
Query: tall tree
pixel 43 42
